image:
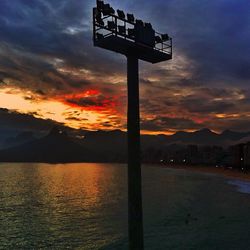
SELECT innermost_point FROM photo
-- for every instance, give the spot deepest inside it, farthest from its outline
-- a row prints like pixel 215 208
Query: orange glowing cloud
pixel 62 111
pixel 91 100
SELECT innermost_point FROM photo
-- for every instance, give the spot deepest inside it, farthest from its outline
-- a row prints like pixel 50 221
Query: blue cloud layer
pixel 212 36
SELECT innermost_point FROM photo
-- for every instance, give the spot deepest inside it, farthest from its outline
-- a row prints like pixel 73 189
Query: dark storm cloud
pixel 45 44
pixel 219 41
pixel 214 34
pixel 36 33
pixel 76 119
pixel 30 71
pixel 38 26
pixel 207 100
pixel 100 101
pixel 161 123
pixel 198 105
pixel 235 124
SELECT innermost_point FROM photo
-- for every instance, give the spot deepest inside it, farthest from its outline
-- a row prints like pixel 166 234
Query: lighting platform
pixel 127 47
pixel 129 36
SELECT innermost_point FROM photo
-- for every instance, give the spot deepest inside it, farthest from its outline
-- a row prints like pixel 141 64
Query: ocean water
pixel 84 206
pixel 242 186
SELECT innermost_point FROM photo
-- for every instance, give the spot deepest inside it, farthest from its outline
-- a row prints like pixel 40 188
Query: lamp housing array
pixel 109 23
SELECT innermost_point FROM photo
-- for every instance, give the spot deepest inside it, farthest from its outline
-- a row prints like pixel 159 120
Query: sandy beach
pixel 226 172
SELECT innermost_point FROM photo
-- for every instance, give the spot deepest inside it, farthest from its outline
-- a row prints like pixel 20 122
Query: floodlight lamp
pixel 139 22
pixel 112 11
pixel 131 33
pixel 99 36
pixel 98 14
pixel 107 10
pixel 111 25
pixel 158 39
pixel 165 37
pixel 100 21
pixel 131 18
pixel 121 14
pixel 148 25
pixel 122 29
pixel 100 5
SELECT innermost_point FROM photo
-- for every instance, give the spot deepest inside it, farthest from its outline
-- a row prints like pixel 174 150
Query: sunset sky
pixel 50 71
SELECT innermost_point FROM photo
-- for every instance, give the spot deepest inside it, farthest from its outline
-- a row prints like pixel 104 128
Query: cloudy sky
pixel 49 69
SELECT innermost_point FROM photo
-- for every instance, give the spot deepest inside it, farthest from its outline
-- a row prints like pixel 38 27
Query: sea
pixel 84 206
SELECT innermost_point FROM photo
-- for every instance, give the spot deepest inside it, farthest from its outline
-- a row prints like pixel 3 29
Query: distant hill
pixel 107 146
pixel 54 147
pixel 232 136
pixel 19 139
pixel 110 145
pixel 200 137
pixel 205 136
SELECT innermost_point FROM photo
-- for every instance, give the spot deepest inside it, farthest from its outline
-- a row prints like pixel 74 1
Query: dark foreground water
pixel 84 206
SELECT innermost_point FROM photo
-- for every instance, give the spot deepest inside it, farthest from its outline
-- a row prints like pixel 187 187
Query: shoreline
pixel 221 171
pixel 225 172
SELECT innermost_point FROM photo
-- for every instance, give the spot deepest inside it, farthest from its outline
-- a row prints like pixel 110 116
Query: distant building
pixel 246 157
pixel 238 156
pixel 193 154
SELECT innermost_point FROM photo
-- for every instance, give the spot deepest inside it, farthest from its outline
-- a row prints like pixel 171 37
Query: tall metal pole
pixel 135 214
pixel 143 44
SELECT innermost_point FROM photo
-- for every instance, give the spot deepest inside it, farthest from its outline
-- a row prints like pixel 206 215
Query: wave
pixel 242 186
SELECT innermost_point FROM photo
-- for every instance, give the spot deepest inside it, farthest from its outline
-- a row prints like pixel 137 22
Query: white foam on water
pixel 242 186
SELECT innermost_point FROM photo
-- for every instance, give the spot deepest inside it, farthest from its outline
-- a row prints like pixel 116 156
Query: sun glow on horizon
pixel 18 101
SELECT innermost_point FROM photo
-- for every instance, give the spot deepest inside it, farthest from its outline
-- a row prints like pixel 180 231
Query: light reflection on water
pixel 84 206
pixel 65 206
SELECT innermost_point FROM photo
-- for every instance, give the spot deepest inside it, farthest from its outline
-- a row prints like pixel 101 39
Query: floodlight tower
pixel 135 39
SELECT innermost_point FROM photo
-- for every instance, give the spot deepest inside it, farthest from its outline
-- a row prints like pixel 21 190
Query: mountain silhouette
pixel 19 139
pixel 233 136
pixel 201 137
pixel 54 147
pixel 109 146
